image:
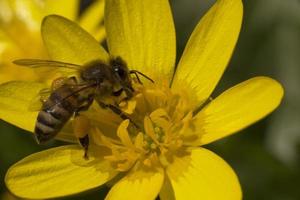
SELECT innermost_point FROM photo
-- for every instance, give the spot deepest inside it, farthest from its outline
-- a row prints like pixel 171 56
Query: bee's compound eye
pixel 121 72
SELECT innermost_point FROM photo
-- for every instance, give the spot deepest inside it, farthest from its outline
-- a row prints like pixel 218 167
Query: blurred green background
pixel 265 156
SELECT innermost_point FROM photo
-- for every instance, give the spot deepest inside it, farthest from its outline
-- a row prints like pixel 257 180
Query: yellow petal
pixel 9 50
pixel 237 108
pixel 15 101
pixel 29 13
pixel 140 183
pixel 208 50
pixel 142 33
pixel 203 175
pixel 6 11
pixel 66 8
pixel 166 192
pixel 58 172
pixel 91 19
pixel 66 41
pixel 99 33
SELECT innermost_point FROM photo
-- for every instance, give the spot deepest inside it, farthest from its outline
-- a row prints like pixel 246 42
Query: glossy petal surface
pixel 203 175
pixel 66 41
pixel 237 108
pixel 209 50
pixel 66 8
pixel 92 20
pixel 142 33
pixel 58 172
pixel 140 183
pixel 15 101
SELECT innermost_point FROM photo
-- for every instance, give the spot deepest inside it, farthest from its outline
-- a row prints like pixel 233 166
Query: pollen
pixel 162 116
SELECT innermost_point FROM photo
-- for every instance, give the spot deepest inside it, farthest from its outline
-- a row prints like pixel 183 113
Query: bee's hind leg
pixel 84 142
pixel 81 126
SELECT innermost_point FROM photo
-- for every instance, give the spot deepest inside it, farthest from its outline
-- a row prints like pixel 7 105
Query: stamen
pixel 164 118
pixel 123 134
pixel 149 129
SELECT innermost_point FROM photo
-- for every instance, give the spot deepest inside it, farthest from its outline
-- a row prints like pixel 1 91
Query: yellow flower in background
pixel 165 157
pixel 20 23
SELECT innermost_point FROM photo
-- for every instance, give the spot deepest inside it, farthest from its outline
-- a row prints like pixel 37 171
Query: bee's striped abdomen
pixel 56 111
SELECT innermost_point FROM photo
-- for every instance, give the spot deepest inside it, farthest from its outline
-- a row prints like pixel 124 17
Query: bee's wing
pixel 76 89
pixel 37 102
pixel 36 63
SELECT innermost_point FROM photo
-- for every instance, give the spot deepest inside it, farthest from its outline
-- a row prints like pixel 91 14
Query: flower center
pixel 160 121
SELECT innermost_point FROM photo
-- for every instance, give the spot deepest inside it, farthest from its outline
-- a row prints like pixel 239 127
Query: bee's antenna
pixel 135 72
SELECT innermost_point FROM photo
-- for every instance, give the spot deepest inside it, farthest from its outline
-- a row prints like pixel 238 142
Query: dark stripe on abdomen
pixel 50 122
pixel 56 111
pixel 44 133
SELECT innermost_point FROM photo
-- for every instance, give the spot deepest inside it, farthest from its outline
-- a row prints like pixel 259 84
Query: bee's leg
pixel 129 92
pixel 85 142
pixel 81 126
pixel 117 111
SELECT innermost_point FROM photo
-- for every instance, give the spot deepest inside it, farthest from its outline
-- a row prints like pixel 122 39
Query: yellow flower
pixel 20 30
pixel 175 114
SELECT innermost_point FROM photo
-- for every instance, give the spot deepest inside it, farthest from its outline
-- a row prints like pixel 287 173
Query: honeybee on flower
pixel 164 157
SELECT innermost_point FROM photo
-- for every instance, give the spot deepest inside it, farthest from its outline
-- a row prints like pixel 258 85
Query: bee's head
pixel 121 72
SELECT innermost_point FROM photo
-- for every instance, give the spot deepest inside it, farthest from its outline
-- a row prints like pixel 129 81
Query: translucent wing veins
pixel 35 63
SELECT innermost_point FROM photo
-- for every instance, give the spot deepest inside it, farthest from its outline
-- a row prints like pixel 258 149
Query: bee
pixel 68 97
